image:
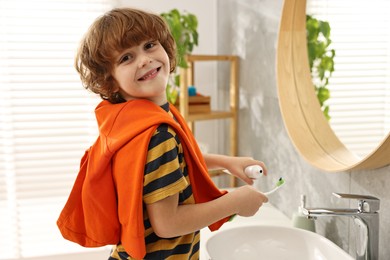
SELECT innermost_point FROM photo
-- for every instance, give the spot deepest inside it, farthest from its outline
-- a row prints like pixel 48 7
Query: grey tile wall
pixel 249 28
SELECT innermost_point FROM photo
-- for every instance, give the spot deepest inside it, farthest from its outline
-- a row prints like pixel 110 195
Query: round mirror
pixel 358 90
pixel 308 129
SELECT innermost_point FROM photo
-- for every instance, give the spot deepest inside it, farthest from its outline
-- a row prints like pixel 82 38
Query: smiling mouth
pixel 151 74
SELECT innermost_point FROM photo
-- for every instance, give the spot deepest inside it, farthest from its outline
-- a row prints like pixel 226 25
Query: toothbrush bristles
pixel 278 185
pixel 280 181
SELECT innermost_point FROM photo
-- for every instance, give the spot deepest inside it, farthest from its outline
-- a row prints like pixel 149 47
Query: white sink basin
pixel 272 242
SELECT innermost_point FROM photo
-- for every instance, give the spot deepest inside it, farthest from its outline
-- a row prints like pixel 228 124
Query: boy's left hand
pixel 236 166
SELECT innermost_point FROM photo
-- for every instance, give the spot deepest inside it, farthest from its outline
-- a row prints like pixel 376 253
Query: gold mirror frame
pixel 307 128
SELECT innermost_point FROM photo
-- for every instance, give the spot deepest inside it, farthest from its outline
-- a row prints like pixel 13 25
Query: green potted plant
pixel 183 27
pixel 321 58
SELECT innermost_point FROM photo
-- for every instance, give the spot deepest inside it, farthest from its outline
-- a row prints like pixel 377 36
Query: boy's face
pixel 142 72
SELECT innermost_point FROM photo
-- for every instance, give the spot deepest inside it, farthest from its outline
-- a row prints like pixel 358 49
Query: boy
pixel 143 185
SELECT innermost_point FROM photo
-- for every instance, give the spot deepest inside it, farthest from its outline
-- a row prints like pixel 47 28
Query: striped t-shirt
pixel 165 175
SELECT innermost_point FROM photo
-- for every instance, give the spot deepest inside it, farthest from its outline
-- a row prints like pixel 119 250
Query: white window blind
pixel 46 120
pixel 360 85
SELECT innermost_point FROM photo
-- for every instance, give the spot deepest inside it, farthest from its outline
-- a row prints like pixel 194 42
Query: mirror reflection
pixel 359 87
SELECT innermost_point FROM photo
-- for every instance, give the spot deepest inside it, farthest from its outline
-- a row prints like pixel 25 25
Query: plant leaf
pixel 321 58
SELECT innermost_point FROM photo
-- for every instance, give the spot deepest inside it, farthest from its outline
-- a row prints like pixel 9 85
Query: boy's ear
pixel 114 86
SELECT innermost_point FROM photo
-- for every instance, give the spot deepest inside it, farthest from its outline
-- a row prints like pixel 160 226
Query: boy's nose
pixel 144 60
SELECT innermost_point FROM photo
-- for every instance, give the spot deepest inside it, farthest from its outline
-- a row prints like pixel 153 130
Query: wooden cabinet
pixel 187 79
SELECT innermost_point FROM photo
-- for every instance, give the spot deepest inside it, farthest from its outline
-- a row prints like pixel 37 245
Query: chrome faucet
pixel 366 219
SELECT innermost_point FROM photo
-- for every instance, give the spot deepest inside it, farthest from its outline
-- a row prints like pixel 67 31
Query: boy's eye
pixel 125 58
pixel 149 45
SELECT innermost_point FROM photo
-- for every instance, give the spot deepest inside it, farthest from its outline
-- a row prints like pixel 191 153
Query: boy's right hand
pixel 248 200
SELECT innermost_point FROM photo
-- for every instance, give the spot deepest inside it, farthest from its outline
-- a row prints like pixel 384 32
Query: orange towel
pixel 105 204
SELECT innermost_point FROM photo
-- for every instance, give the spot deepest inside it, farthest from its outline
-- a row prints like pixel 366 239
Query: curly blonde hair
pixel 115 31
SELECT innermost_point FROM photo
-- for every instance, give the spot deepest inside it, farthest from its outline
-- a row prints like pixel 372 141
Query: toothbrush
pixel 278 185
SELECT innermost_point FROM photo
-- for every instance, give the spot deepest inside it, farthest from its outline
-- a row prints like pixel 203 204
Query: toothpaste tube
pixel 254 171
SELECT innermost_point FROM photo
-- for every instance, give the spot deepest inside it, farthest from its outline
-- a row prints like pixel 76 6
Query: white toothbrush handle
pixel 271 191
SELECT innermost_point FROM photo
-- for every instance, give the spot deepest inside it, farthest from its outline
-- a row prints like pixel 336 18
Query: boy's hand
pixel 236 166
pixel 248 200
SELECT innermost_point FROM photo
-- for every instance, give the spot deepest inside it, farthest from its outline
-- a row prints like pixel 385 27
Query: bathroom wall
pixel 249 28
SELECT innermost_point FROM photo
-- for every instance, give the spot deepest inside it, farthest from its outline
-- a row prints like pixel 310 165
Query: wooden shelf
pixel 192 58
pixel 187 79
pixel 209 116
